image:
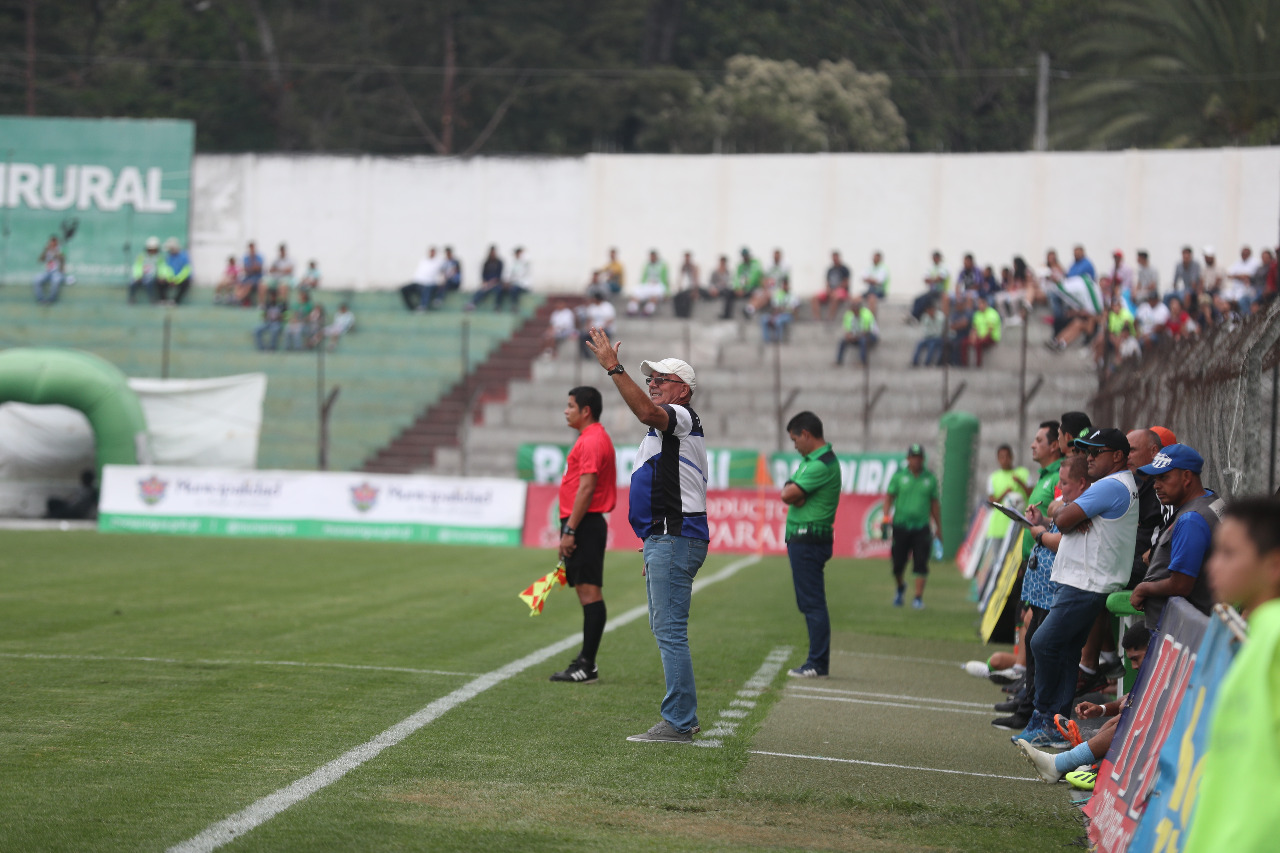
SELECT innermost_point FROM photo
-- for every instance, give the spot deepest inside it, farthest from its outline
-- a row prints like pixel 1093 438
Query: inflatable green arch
pixel 82 381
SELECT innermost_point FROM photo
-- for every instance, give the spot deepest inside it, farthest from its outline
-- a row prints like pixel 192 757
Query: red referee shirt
pixel 592 453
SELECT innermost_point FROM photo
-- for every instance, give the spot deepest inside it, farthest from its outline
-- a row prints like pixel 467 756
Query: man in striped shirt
pixel 668 512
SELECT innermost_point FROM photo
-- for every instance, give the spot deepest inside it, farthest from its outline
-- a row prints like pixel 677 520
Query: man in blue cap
pixel 1179 556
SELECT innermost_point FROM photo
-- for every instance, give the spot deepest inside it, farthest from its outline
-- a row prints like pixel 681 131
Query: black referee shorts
pixel 586 563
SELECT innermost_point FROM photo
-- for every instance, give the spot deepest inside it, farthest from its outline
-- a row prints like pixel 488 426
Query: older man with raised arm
pixel 668 512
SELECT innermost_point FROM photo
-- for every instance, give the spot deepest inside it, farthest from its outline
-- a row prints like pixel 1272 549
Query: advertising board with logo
pixel 102 186
pixel 741 521
pixel 144 499
pixel 1129 772
pixel 860 473
pixel 544 463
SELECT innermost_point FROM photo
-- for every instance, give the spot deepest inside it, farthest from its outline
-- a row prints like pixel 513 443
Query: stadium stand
pixel 392 368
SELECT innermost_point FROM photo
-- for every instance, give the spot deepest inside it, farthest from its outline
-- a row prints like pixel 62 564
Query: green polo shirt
pixel 819 478
pixel 913 497
pixel 1042 496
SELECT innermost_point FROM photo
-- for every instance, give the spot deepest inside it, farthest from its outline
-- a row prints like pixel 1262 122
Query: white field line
pixel 763 678
pixel 955 663
pixel 983 705
pixel 202 662
pixel 892 766
pixel 261 811
pixel 852 701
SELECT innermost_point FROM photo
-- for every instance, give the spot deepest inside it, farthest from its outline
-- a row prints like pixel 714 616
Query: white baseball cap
pixel 153 243
pixel 672 365
pixel 1209 252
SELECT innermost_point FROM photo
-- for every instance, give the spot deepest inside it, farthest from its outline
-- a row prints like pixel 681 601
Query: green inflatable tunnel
pixel 82 381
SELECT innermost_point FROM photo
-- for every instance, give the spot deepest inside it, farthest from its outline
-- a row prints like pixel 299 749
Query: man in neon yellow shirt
pixel 860 330
pixel 1006 485
pixel 1238 807
pixel 985 332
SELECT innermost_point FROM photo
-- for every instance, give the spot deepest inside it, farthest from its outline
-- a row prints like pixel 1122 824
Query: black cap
pixel 1109 439
pixel 915 450
pixel 1076 424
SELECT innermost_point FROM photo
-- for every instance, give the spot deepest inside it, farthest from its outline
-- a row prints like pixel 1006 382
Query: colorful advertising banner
pixel 742 521
pixel 383 507
pixel 996 599
pixel 1170 809
pixel 544 463
pixel 1128 773
pixel 860 473
pixel 102 186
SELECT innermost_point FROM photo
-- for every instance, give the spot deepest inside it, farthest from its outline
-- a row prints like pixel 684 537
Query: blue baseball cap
pixel 1174 456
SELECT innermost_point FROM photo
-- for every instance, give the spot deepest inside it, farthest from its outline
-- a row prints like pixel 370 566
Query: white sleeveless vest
pixel 1101 558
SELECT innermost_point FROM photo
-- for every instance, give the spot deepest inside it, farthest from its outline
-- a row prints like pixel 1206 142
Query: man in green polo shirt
pixel 1047 453
pixel 912 502
pixel 811 495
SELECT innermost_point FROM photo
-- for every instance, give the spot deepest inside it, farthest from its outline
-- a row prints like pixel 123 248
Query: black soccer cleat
pixel 578 672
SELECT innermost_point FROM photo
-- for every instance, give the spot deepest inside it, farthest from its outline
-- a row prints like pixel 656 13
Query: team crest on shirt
pixel 364 496
pixel 151 490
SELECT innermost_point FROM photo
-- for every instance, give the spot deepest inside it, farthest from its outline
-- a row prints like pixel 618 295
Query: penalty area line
pixel 261 811
pixel 891 766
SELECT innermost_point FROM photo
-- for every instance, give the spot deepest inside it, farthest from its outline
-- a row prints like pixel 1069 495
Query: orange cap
pixel 1166 435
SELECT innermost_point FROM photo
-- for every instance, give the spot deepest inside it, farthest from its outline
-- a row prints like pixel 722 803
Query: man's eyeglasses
pixel 658 380
pixel 1094 451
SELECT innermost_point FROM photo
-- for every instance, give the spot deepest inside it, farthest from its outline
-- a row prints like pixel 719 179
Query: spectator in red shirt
pixel 588 490
pixel 1180 324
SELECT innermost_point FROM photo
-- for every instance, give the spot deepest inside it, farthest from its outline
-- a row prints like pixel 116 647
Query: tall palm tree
pixel 1173 73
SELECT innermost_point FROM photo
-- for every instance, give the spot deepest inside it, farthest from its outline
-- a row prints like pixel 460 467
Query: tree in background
pixel 765 105
pixel 1174 73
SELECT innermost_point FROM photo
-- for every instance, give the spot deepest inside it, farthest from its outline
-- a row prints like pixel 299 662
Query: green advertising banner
pixel 544 463
pixel 860 473
pixel 102 186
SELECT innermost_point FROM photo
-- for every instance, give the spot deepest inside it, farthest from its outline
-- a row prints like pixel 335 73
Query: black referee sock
pixel 593 619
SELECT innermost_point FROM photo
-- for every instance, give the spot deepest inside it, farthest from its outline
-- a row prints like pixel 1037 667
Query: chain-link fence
pixel 1217 393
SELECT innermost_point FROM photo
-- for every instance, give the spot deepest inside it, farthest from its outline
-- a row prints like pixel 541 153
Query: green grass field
pixel 153 686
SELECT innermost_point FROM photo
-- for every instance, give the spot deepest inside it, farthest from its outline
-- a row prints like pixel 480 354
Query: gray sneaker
pixel 664 732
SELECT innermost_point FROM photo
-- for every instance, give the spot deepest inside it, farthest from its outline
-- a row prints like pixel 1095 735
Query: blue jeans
pixel 931 349
pixel 53 279
pixel 671 563
pixel 862 342
pixel 808 561
pixel 1057 645
pixel 271 328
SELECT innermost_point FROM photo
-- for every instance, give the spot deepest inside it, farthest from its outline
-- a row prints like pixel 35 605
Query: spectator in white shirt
pixel 876 278
pixel 563 325
pixel 519 281
pixel 342 323
pixel 421 289
pixel 597 313
pixel 1152 316
pixel 1239 285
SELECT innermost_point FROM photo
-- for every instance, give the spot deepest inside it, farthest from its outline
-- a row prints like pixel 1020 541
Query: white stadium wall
pixel 367 220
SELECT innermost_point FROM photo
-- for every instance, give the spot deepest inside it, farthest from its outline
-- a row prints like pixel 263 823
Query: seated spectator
pixel 280 275
pixel 775 323
pixel 721 278
pixel 343 322
pixel 613 274
pixel 419 293
pixel 1187 276
pixel 599 313
pixel 937 283
pixel 1053 767
pixel 563 325
pixel 311 278
pixel 519 281
pixel 250 277
pixel 827 302
pixel 80 504
pixel 297 330
pixel 1010 296
pixel 689 277
pixel 1152 317
pixel 146 271
pixel 315 326
pixel 933 328
pixel 1146 281
pixel 959 327
pixel 778 272
pixel 651 289
pixel 274 313
pixel 225 291
pixel 1118 319
pixel 1266 281
pixel 969 279
pixel 490 279
pixel 451 274
pixel 49 283
pixel 985 332
pixel 876 281
pixel 1212 278
pixel 1240 764
pixel 1128 350
pixel 1239 285
pixel 1081 305
pixel 1179 325
pixel 175 272
pixel 1121 275
pixel 860 330
pixel 746 283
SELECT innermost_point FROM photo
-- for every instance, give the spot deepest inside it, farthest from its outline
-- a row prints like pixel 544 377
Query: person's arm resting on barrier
pixel 1192 539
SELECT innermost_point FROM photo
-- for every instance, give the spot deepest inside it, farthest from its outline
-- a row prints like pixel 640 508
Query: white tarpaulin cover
pixel 211 423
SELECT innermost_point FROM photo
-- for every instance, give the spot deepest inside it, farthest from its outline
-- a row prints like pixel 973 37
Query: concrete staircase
pixel 741 381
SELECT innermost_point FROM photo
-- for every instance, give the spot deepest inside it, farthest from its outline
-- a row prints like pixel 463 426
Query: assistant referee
pixel 588 490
